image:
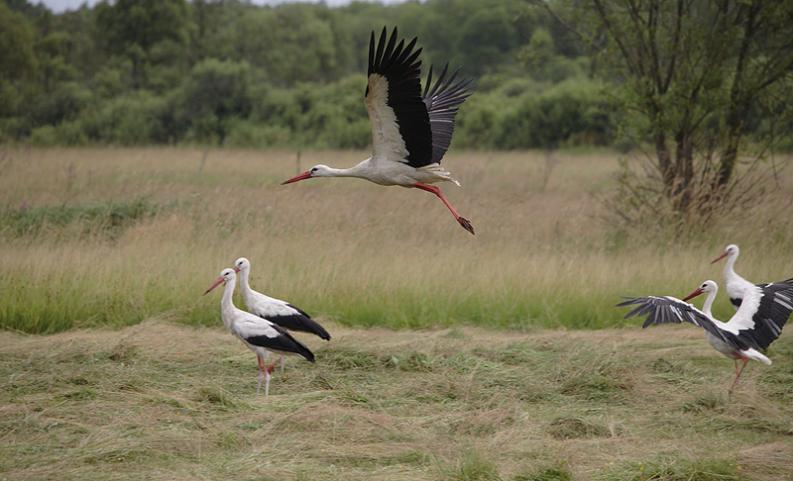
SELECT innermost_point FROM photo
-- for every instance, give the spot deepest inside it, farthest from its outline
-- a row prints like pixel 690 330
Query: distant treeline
pixel 226 72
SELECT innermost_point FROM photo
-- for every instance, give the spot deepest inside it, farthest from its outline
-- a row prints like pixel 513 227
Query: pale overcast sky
pixel 61 5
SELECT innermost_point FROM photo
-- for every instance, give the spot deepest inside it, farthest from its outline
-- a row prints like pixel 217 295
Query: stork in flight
pixel 737 287
pixel 274 310
pixel 748 333
pixel 259 335
pixel 411 129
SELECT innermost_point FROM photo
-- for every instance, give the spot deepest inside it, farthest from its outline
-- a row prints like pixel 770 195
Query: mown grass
pixel 673 469
pixel 113 236
pixel 164 401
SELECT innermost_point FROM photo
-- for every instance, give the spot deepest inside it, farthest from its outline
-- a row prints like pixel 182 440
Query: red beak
pixel 304 175
pixel 217 282
pixel 719 258
pixel 694 293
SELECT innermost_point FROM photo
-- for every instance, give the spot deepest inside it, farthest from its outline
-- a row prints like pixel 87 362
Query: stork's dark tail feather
pixel 301 322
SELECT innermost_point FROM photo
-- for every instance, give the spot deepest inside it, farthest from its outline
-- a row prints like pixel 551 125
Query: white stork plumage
pixel 750 331
pixel 736 286
pixel 411 130
pixel 259 335
pixel 275 310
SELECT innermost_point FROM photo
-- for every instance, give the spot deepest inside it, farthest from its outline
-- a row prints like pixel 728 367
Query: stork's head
pixel 319 170
pixel 241 264
pixel 225 276
pixel 729 251
pixel 705 288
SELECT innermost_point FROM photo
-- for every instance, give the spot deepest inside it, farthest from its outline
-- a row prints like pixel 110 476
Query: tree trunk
pixel 739 103
pixel 664 160
pixel 684 169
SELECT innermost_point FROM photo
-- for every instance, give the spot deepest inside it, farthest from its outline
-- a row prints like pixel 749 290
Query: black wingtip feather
pixel 378 58
pixel 371 54
pixel 627 301
pixel 429 82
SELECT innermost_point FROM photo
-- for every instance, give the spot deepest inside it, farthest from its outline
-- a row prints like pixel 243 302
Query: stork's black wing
pixel 400 123
pixel 297 320
pixel 776 305
pixel 262 333
pixel 443 99
pixel 663 310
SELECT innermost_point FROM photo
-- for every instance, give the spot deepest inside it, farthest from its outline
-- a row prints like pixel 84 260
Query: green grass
pixel 92 237
pixel 554 473
pixel 165 401
pixel 101 218
pixel 675 469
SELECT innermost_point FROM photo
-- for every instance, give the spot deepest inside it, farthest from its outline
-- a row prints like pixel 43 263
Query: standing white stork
pixel 260 335
pixel 750 330
pixel 275 310
pixel 737 287
pixel 411 130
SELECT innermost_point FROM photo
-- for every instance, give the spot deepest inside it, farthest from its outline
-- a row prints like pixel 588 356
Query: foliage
pixel 236 74
pixel 547 75
pixel 214 93
pixel 17 64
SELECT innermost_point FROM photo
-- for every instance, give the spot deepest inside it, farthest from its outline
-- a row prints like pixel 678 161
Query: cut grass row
pixel 163 401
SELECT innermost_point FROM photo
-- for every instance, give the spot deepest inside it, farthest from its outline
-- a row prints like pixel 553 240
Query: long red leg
pixel 271 367
pixel 465 223
pixel 262 375
pixel 738 374
pixel 261 362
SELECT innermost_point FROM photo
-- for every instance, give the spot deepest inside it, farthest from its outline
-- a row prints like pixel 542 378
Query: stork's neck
pixel 708 304
pixel 358 170
pixel 245 287
pixel 729 266
pixel 227 308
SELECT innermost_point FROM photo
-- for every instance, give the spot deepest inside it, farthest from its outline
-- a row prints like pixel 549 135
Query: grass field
pixel 114 236
pixel 162 401
pixel 107 252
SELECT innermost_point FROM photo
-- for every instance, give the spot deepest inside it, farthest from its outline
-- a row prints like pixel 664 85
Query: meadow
pixel 495 357
pixel 111 237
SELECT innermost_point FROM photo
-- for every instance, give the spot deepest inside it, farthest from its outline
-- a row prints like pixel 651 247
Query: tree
pixel 17 61
pixel 213 94
pixel 693 71
pixel 486 38
pixel 142 30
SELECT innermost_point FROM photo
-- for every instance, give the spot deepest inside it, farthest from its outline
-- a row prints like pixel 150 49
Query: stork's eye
pixel 314 169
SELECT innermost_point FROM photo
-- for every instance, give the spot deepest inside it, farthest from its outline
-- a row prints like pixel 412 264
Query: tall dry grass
pixel 356 252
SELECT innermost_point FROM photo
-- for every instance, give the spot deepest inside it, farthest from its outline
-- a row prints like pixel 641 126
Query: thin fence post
pixel 203 159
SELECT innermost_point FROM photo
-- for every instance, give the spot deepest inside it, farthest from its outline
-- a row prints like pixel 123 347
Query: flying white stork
pixel 260 335
pixel 274 310
pixel 411 130
pixel 750 330
pixel 737 287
